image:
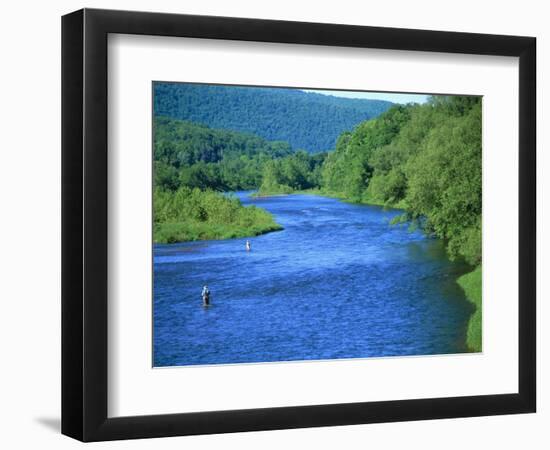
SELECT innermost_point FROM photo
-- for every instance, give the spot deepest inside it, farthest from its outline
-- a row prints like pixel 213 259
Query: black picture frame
pixel 84 224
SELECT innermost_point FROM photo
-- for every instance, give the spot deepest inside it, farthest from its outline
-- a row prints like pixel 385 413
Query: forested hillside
pixel 305 120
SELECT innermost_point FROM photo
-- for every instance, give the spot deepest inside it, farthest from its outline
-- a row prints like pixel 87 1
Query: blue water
pixel 338 282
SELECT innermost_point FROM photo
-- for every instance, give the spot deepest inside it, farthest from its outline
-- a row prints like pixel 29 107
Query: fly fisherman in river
pixel 247 245
pixel 205 296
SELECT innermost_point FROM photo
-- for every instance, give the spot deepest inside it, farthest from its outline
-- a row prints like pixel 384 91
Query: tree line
pixel 194 155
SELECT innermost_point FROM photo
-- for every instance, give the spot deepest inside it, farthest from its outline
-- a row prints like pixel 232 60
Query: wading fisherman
pixel 205 296
pixel 247 245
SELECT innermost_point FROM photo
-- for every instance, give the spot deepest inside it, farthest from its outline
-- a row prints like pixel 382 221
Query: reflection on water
pixel 337 282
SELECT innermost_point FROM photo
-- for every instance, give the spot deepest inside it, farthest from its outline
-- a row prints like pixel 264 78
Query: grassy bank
pixel 365 200
pixel 471 283
pixel 362 200
pixel 191 215
pixel 170 232
pixel 273 191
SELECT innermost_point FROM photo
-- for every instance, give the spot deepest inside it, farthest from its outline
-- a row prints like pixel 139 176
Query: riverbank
pixel 193 215
pixel 471 284
pixel 169 233
pixel 338 196
pixel 284 190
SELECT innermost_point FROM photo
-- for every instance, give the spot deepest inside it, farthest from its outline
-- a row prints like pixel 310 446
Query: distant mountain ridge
pixel 305 120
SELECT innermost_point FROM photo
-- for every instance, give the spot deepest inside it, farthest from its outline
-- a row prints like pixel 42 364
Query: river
pixel 338 282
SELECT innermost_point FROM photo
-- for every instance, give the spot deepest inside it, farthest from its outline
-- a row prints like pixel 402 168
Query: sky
pixel 389 96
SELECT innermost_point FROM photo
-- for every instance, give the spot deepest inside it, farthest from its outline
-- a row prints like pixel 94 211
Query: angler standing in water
pixel 205 296
pixel 247 245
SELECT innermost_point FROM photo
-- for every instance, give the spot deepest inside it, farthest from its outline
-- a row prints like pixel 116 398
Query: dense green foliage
pixel 423 158
pixel 191 214
pixel 471 283
pixel 348 169
pixel 292 173
pixel 305 120
pixel 188 154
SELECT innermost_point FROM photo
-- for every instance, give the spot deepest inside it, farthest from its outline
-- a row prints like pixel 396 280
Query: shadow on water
pixel 338 282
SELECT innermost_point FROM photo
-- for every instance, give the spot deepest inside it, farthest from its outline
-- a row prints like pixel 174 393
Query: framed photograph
pixel 273 224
